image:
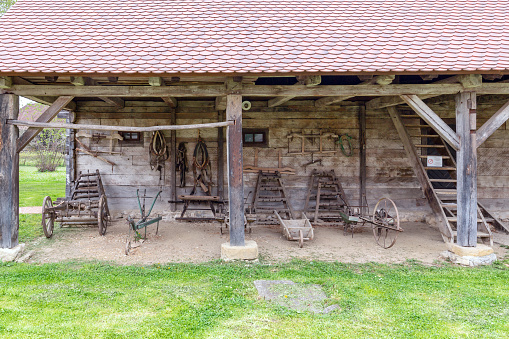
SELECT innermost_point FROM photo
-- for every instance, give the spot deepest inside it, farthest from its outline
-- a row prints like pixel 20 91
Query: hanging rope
pixel 158 151
pixel 181 163
pixel 341 141
pixel 201 167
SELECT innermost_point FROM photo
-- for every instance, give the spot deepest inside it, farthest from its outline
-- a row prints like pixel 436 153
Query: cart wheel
pixel 385 223
pixel 301 239
pixel 102 215
pixel 48 217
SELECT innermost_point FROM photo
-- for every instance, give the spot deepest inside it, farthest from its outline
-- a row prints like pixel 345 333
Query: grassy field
pixel 217 300
pixel 34 185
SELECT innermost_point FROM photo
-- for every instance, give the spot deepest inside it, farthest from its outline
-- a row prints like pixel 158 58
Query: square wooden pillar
pixel 235 169
pixel 466 161
pixel 9 172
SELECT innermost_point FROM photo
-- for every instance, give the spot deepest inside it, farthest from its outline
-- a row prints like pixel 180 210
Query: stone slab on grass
pixel 299 297
pixel 10 254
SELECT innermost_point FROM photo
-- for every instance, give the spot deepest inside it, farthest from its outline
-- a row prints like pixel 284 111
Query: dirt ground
pixel 200 242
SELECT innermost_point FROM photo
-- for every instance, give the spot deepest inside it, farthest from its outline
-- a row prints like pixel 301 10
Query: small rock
pixel 25 257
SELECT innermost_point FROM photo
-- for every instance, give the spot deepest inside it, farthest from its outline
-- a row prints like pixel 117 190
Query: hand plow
pixel 134 227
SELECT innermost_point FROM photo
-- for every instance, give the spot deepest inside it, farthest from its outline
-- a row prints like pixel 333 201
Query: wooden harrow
pixel 87 206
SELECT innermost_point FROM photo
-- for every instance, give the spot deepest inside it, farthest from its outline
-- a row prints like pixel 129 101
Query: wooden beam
pixel 41 125
pixel 490 126
pixel 434 89
pixel 51 79
pixel 420 172
pixel 235 169
pixel 306 80
pixel 159 82
pixel 173 162
pixel 466 161
pixel 220 103
pixel 220 157
pixel 9 172
pixel 465 80
pixel 362 157
pixel 5 82
pixel 117 102
pixel 45 117
pixel 381 79
pixel 432 119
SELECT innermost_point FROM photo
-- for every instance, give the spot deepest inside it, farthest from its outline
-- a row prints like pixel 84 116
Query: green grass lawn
pixel 34 185
pixel 217 300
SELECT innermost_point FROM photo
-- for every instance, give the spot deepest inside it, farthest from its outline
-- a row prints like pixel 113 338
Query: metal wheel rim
pixel 385 237
pixel 48 217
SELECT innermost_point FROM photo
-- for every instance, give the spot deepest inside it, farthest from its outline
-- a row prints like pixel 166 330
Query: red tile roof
pixel 254 36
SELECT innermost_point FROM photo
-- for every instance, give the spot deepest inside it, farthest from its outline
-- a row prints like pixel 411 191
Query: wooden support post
pixel 9 172
pixel 467 169
pixel 220 158
pixel 173 161
pixel 70 156
pixel 235 173
pixel 362 157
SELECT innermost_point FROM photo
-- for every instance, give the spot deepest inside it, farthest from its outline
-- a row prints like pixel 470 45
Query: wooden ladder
pixel 270 195
pixel 325 198
pixel 442 180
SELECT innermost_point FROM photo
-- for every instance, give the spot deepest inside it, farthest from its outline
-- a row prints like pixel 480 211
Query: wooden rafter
pixel 432 119
pixel 466 81
pixel 309 81
pixel 159 82
pixel 45 117
pixel 381 80
pixel 85 81
pixel 490 126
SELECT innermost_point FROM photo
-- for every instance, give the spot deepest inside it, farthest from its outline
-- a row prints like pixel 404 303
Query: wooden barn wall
pixel 389 173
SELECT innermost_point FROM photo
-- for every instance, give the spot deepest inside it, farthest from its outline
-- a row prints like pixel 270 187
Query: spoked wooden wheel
pixel 102 215
pixel 301 239
pixel 48 217
pixel 386 223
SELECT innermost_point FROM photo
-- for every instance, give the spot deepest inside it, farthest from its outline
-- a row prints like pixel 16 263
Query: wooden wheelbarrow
pixel 297 229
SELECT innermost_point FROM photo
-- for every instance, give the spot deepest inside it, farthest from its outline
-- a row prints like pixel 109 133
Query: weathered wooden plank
pixel 9 172
pixel 466 161
pixel 235 166
pixel 497 120
pixel 173 160
pixel 432 119
pixel 45 117
pixel 220 158
pixel 362 156
pixel 5 82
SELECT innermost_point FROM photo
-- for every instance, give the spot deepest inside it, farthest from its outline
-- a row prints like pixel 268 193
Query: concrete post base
pixel 470 256
pixel 247 252
pixel 10 254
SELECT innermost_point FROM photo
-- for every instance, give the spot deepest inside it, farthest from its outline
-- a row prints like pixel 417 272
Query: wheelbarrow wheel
pixel 385 223
pixel 301 239
pixel 48 217
pixel 102 215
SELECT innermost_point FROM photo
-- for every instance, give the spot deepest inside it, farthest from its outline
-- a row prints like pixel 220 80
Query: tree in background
pixel 5 5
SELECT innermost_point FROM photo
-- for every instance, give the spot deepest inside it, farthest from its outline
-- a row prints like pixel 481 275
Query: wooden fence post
pixel 467 169
pixel 235 169
pixel 9 172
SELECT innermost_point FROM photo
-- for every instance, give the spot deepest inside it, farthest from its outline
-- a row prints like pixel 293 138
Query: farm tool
pixel 142 223
pixel 87 206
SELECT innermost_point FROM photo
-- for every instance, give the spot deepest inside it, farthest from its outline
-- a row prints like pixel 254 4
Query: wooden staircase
pixel 440 182
pixel 270 196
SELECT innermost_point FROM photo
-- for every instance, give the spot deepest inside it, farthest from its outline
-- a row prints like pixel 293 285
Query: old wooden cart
pixel 296 229
pixel 384 222
pixel 87 206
